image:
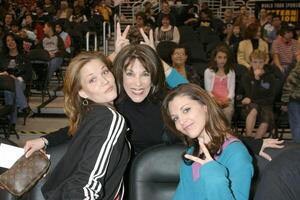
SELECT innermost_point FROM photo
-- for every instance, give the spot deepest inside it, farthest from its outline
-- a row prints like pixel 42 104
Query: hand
pixel 246 101
pixel 121 40
pixel 4 73
pixel 33 146
pixel 258 73
pixel 148 41
pixel 284 108
pixel 270 143
pixel 207 159
pixel 51 54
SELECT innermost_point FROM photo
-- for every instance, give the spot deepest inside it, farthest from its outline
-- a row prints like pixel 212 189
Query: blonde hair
pixel 258 54
pixel 72 85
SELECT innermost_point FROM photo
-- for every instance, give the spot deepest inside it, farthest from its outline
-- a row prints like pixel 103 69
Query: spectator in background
pixel 55 47
pixel 259 88
pixel 166 32
pixel 85 7
pixel 14 63
pixel 104 10
pixel 243 11
pixel 40 16
pixel 251 42
pixel 165 10
pixel 59 30
pixel 228 21
pixel 263 17
pixel 291 101
pixel 286 50
pixel 179 57
pixel 134 35
pixel 233 39
pixel 28 22
pixel 49 8
pixel 150 15
pixel 252 19
pixel 28 38
pixel 64 11
pixel 8 20
pixel 271 31
pixel 219 79
pixel 78 16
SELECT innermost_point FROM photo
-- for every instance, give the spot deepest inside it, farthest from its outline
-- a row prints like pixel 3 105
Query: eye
pixel 174 119
pixel 105 71
pixel 92 80
pixel 129 73
pixel 146 74
pixel 186 110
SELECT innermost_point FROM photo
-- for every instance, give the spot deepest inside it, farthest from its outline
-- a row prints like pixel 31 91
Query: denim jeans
pixel 21 101
pixel 294 119
pixel 54 64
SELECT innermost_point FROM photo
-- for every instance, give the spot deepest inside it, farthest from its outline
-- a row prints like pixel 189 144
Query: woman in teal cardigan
pixel 216 164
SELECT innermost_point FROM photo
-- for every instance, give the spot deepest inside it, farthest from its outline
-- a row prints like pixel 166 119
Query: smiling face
pixel 179 57
pixel 97 83
pixel 136 81
pixel 165 21
pixel 189 116
pixel 11 43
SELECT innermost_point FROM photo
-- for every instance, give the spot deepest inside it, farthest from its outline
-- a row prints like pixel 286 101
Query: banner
pixel 288 10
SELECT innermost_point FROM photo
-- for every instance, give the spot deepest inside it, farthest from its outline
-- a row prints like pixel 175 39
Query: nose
pixel 181 120
pixel 138 81
pixel 104 80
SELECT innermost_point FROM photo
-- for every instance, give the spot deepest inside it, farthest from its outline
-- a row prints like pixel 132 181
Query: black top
pixel 17 65
pixel 262 91
pixel 145 122
pixel 97 156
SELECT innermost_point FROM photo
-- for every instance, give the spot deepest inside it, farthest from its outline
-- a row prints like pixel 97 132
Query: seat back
pixel 154 173
pixel 7 109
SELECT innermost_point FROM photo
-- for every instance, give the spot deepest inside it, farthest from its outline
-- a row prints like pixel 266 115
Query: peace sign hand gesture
pixel 207 159
pixel 121 40
pixel 148 40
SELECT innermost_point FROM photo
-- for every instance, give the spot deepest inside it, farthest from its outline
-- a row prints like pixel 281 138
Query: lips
pixel 188 127
pixel 137 91
pixel 109 89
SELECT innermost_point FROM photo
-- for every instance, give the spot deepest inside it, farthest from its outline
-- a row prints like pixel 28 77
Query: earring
pixel 85 102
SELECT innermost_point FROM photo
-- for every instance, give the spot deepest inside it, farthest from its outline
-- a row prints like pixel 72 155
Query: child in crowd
pixel 219 79
pixel 259 95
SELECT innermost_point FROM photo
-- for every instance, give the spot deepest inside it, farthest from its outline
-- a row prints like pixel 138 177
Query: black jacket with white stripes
pixel 97 156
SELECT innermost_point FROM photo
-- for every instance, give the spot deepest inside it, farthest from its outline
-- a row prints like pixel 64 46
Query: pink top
pixel 220 90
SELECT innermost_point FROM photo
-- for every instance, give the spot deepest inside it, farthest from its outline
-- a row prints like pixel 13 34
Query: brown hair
pixel 251 31
pixel 216 124
pixel 150 61
pixel 72 84
pixel 213 64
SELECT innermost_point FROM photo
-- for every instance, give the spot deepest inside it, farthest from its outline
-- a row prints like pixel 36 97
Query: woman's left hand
pixel 270 143
pixel 148 40
pixel 207 159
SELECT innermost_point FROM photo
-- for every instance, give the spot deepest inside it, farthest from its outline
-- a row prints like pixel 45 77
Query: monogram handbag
pixel 25 173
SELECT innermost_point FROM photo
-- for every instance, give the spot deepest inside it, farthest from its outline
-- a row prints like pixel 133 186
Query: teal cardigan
pixel 227 177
